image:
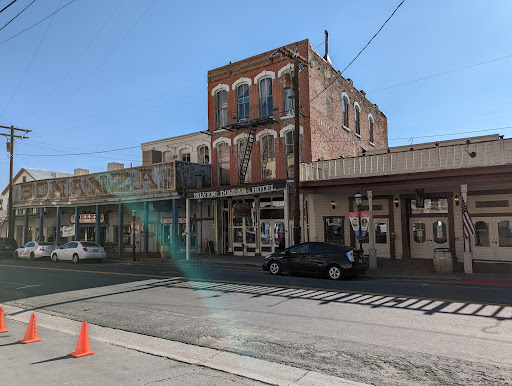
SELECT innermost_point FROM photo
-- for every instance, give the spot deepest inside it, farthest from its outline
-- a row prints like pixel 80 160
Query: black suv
pixel 7 247
pixel 333 260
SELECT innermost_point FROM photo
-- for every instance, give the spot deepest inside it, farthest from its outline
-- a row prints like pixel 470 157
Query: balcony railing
pixel 455 154
pixel 254 115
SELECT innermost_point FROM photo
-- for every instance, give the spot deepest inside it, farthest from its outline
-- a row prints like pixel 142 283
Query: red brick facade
pixel 323 135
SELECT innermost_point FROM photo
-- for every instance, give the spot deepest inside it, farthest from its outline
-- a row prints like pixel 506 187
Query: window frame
pixel 203 153
pixel 273 153
pixel 344 104
pixel 245 102
pixel 220 164
pixel 371 128
pixel 357 119
pixel 221 110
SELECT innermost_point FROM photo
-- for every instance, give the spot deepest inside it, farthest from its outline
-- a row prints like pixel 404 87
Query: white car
pixel 35 250
pixel 79 250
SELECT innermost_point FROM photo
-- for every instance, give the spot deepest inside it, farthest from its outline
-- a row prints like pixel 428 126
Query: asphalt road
pixel 373 331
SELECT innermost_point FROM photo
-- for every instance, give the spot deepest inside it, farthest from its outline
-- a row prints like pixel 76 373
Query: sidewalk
pixel 409 269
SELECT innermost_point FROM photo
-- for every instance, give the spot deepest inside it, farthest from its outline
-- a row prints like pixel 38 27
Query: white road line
pixel 9 282
pixel 29 286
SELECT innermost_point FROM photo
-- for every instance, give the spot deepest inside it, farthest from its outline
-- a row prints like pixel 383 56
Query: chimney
pixel 114 166
pixel 326 56
pixel 81 172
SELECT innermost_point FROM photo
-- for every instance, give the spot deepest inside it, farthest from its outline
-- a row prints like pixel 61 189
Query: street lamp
pixel 133 232
pixel 359 202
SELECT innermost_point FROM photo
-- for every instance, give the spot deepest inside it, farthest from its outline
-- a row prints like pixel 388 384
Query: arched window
pixel 242 93
pixel 288 95
pixel 344 101
pixel 289 155
pixel 370 127
pixel 266 102
pixel 268 157
pixel 242 144
pixel 222 108
pixel 185 155
pixel 356 118
pixel 203 154
pixel 223 163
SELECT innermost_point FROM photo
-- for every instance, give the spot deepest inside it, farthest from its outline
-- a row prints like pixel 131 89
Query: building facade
pixel 193 147
pixel 251 123
pixel 415 196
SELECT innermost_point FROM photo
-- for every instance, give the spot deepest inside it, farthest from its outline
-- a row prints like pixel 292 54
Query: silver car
pixel 79 250
pixel 35 250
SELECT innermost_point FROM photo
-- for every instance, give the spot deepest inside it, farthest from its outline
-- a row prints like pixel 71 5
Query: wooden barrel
pixel 443 260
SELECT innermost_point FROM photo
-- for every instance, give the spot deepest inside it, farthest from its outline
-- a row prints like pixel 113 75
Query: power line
pixel 33 25
pixel 29 64
pixel 441 73
pixel 23 10
pixel 449 134
pixel 353 60
pixel 106 57
pixel 85 153
pixel 82 54
pixel 8 5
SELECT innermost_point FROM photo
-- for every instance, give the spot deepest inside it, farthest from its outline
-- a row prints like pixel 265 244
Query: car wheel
pixel 15 256
pixel 55 258
pixel 75 258
pixel 32 256
pixel 334 272
pixel 274 268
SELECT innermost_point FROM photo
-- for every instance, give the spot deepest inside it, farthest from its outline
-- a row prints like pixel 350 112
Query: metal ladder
pixel 242 171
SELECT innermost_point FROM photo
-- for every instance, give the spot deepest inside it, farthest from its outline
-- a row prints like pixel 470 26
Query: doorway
pixel 426 234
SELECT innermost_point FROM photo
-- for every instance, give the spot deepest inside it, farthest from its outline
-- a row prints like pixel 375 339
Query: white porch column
pixel 372 252
pixel 187 229
pixel 287 232
pixel 468 255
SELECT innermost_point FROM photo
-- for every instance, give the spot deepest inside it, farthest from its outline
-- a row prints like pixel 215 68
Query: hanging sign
pixel 168 220
pixel 68 231
pixel 87 218
pixel 365 221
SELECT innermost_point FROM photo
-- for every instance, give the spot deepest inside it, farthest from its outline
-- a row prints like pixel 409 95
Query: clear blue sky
pixel 96 79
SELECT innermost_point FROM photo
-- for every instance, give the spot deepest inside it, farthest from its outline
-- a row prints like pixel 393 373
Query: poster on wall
pixel 365 221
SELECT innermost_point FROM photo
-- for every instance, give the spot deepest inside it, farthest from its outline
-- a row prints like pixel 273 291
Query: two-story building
pixel 251 123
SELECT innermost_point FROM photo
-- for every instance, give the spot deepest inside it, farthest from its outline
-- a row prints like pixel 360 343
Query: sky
pixel 102 75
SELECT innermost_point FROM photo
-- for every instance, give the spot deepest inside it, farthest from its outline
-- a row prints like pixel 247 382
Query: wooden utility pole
pixel 10 147
pixel 298 63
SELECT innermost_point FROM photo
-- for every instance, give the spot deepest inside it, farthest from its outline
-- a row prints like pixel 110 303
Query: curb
pixel 247 367
pixel 487 281
pixel 413 278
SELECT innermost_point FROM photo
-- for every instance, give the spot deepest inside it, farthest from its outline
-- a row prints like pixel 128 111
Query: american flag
pixel 469 229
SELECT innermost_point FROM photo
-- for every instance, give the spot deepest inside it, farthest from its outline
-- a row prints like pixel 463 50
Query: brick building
pixel 251 117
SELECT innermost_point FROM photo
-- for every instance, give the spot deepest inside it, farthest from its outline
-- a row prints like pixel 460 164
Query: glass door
pixel 272 235
pixel 426 234
pixel 503 241
pixel 483 241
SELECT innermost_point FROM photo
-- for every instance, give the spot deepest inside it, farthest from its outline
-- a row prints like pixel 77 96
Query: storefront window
pixel 279 237
pixel 482 234
pixel 238 221
pixel 381 235
pixel 250 235
pixel 439 232
pixel 334 230
pixel 266 235
pixel 430 205
pixel 238 235
pixel 505 233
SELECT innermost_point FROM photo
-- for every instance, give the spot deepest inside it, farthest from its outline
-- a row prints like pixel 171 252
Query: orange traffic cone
pixel 2 323
pixel 31 334
pixel 82 347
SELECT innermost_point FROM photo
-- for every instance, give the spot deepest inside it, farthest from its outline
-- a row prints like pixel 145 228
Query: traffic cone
pixel 2 323
pixel 82 347
pixel 31 334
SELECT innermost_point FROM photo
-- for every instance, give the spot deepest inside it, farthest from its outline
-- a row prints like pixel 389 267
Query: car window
pixel 299 248
pixel 73 245
pixel 89 244
pixel 320 249
pixel 65 246
pixel 26 245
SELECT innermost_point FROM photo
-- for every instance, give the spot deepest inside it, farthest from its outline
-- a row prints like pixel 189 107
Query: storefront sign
pixel 241 210
pixel 237 191
pixel 168 220
pixel 139 180
pixel 68 231
pixel 365 220
pixel 87 218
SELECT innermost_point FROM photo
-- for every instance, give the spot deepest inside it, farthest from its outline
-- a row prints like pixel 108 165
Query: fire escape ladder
pixel 244 164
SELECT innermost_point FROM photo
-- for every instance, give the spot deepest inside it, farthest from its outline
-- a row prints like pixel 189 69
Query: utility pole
pixel 10 147
pixel 298 63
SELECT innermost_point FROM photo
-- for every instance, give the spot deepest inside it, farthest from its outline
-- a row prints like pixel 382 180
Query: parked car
pixel 79 250
pixel 34 250
pixel 333 260
pixel 7 247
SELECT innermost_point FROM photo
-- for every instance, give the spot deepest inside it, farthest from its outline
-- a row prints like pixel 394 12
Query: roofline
pixel 172 138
